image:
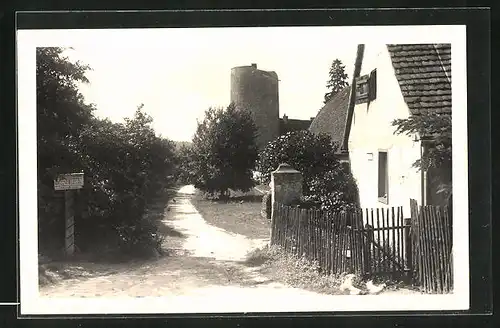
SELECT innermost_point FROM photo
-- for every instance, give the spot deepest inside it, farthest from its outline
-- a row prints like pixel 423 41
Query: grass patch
pixel 239 214
pixel 258 257
pixel 294 271
pixel 263 188
pixel 168 231
pixel 55 272
pixel 302 273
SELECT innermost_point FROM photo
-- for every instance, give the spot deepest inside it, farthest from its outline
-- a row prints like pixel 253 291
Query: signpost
pixel 69 183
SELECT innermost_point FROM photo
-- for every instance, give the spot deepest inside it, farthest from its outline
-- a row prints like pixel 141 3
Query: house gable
pixel 371 138
pixel 423 72
pixel 372 119
pixel 411 79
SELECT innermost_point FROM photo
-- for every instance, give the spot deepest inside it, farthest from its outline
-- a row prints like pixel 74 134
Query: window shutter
pixel 362 91
pixel 372 85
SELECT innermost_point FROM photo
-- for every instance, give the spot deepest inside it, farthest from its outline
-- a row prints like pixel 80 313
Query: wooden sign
pixel 70 181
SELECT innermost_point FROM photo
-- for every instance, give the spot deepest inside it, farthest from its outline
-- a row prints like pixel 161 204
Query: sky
pixel 179 73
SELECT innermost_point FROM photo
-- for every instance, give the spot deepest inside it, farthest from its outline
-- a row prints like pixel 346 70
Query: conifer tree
pixel 337 81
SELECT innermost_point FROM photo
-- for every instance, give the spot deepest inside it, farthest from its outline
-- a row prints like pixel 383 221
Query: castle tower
pixel 257 90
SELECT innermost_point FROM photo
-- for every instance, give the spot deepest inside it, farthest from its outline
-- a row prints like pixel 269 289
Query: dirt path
pixel 204 261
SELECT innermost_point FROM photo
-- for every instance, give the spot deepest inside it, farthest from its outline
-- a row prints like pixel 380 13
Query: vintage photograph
pixel 258 169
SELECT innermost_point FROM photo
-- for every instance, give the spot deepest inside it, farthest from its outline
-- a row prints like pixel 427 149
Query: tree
pixel 337 81
pixel 224 151
pixel 326 181
pixel 185 172
pixel 61 111
pixel 61 114
pixel 435 130
pixel 125 164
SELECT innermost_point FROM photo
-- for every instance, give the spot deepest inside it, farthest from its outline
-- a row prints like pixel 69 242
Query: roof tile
pixel 424 75
pixel 331 119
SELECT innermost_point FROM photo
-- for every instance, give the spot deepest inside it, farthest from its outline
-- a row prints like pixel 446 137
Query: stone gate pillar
pixel 286 187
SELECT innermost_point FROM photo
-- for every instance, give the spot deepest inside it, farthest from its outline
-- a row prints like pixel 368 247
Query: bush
pixel 328 184
pixel 334 190
pixel 125 165
pixel 140 240
pixel 309 153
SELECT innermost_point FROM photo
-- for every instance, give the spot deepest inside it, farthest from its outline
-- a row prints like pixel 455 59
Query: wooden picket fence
pixel 432 240
pixel 371 242
pixel 339 241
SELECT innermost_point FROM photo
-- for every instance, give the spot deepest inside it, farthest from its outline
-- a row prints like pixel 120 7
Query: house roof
pixel 293 125
pixel 331 119
pixel 424 75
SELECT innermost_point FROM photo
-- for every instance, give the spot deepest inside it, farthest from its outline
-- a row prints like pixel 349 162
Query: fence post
pixel 367 251
pixel 286 188
pixel 408 251
pixel 272 239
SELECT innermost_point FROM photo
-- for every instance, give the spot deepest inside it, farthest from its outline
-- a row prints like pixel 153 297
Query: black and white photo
pixel 243 169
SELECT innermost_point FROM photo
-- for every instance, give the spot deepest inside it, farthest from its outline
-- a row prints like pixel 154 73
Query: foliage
pixel 125 164
pixel 337 81
pixel 327 182
pixel 435 129
pixel 224 151
pixel 334 190
pixel 185 173
pixel 304 151
pixel 61 111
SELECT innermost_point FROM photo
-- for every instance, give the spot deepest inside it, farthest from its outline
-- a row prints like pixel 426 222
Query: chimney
pixel 285 119
pixel 254 65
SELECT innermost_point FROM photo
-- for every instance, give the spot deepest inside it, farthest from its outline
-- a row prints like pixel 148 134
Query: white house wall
pixel 372 131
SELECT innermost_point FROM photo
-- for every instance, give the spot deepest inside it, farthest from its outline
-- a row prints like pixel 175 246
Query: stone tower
pixel 257 90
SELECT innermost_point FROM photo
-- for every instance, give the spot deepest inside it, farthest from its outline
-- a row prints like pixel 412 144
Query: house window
pixel 366 87
pixel 362 89
pixel 383 177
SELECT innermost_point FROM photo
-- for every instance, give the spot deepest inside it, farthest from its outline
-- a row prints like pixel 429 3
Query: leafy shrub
pixel 125 165
pixel 334 190
pixel 328 183
pixel 309 153
pixel 142 239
